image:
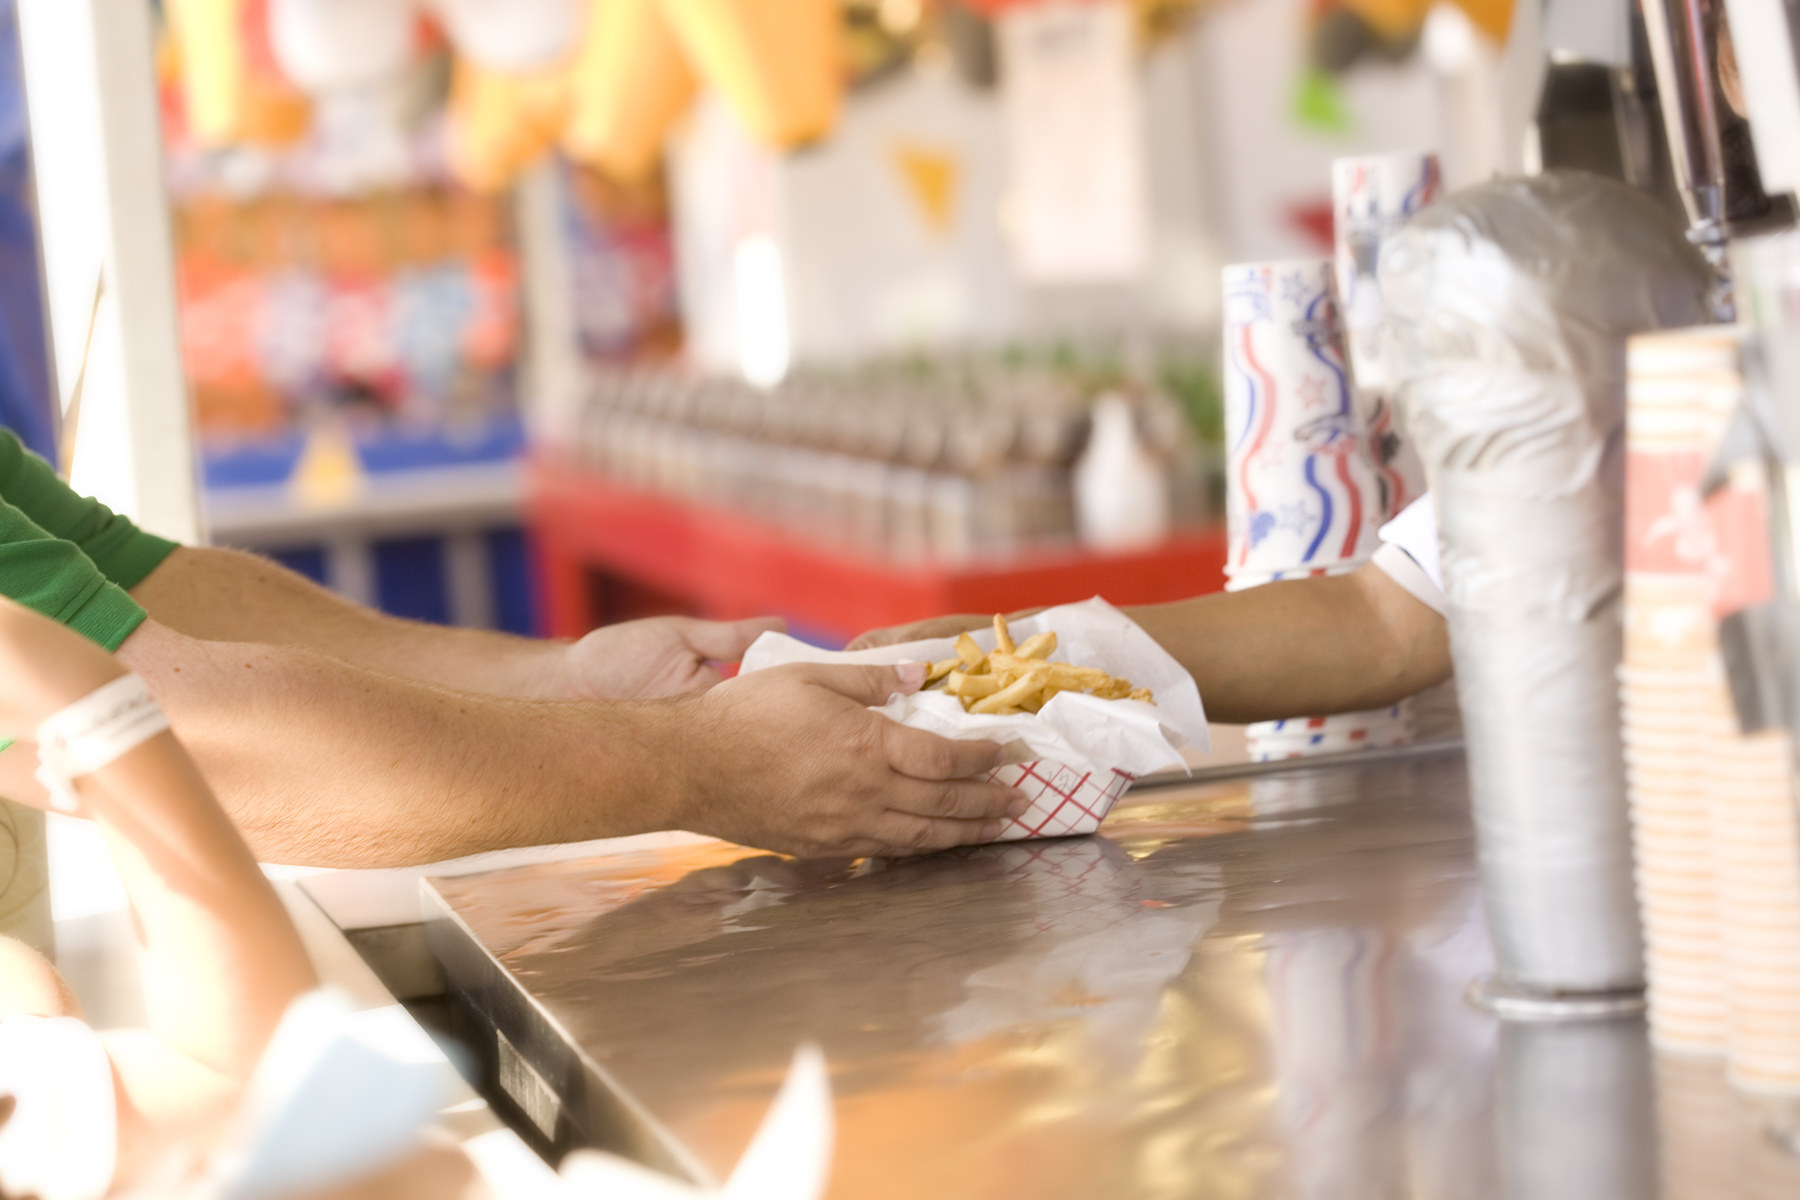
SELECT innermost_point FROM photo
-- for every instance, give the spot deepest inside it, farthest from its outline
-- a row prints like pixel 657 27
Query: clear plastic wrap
pixel 1508 307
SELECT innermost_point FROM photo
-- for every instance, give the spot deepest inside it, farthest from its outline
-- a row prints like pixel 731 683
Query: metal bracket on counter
pixel 1253 770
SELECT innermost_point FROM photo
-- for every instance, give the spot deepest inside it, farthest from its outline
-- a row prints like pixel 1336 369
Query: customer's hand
pixel 792 759
pixel 44 667
pixel 657 657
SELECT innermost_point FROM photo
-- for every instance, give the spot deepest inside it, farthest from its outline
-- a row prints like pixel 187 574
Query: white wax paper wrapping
pixel 1083 731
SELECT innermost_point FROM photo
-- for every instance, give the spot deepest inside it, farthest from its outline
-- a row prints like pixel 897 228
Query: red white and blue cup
pixel 1304 498
pixel 1304 737
pixel 1301 491
pixel 1372 198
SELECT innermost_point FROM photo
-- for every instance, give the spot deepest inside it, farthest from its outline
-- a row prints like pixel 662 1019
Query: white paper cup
pixel 1337 723
pixel 1659 883
pixel 1687 681
pixel 1300 737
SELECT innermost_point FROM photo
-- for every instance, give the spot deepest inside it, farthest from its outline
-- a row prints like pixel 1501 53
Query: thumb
pixel 868 684
pixel 726 641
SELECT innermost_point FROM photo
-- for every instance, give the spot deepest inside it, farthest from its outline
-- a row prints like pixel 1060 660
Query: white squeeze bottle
pixel 1121 489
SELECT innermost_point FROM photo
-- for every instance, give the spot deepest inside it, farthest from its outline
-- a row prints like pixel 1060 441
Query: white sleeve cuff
pixel 1399 566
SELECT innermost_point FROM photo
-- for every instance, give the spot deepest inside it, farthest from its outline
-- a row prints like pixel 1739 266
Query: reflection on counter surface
pixel 1245 989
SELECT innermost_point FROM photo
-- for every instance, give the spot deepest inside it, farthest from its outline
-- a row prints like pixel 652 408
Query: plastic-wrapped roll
pixel 1508 307
pixel 1574 1114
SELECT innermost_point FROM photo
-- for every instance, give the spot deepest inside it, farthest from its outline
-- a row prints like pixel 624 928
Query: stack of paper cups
pixel 1681 387
pixel 1303 495
pixel 1300 737
pixel 1757 842
pixel 1716 833
pixel 1756 830
pixel 1371 199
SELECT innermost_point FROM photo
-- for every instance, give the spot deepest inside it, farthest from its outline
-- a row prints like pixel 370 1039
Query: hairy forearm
pixel 326 763
pixel 1305 647
pixel 230 596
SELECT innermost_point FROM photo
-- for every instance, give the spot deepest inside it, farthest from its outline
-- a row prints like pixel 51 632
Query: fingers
pixel 936 627
pixel 909 833
pixel 864 684
pixel 726 641
pixel 959 799
pixel 925 755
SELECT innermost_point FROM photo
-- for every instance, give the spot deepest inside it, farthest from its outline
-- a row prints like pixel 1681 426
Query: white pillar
pixel 554 374
pixel 90 86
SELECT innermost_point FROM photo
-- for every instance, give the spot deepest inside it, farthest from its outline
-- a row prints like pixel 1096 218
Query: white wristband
pixel 92 732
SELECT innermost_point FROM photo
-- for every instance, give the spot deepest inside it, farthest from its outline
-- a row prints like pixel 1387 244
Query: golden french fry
pixel 1077 679
pixel 972 687
pixel 969 652
pixel 1015 678
pixel 1014 664
pixel 938 670
pixel 1011 696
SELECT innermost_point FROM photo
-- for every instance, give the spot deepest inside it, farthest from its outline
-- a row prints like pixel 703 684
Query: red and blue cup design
pixel 1302 492
pixel 1371 199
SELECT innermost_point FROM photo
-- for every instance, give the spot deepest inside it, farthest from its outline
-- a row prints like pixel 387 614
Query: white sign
pixel 1077 207
pixel 1763 36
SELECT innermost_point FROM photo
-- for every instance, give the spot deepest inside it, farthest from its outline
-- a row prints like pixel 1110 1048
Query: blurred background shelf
pixel 607 553
pixel 436 543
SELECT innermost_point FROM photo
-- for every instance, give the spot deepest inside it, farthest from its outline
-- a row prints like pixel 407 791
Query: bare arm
pixel 1304 647
pixel 220 959
pixel 1296 648
pixel 323 762
pixel 230 596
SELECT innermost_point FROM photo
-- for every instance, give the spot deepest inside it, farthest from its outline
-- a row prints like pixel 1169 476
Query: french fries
pixel 1019 677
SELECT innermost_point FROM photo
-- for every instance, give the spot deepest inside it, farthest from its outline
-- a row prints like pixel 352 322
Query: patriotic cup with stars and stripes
pixel 1303 491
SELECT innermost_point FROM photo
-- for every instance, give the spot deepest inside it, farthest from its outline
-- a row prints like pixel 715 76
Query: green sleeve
pixel 119 550
pixel 55 578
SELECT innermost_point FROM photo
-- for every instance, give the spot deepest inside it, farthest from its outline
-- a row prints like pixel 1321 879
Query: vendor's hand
pixel 44 667
pixel 934 627
pixel 658 657
pixel 792 759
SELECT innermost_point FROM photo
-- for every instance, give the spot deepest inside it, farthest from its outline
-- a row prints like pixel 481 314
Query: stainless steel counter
pixel 1247 988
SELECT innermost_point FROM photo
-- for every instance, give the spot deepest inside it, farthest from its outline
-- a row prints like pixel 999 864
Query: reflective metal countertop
pixel 1248 988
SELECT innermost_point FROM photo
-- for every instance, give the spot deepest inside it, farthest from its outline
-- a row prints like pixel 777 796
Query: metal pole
pixel 1682 57
pixel 90 87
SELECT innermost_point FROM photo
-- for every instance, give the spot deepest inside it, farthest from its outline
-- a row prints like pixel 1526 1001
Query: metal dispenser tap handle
pixel 1679 53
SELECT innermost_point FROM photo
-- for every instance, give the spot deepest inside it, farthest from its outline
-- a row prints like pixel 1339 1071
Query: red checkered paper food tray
pixel 1065 801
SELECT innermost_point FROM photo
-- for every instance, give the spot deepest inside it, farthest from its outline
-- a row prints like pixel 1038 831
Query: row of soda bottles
pixel 947 469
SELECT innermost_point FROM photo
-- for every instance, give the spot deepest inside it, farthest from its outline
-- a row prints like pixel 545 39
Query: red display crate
pixel 609 553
